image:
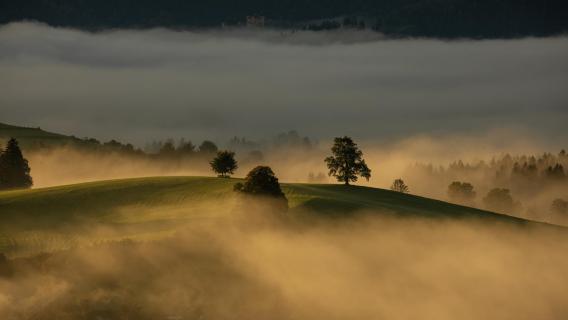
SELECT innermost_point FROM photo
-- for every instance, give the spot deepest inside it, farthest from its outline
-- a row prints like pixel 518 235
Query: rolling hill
pixel 149 208
pixel 35 137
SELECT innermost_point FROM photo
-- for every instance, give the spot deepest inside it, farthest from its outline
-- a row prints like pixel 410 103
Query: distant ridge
pixel 415 18
pixel 29 137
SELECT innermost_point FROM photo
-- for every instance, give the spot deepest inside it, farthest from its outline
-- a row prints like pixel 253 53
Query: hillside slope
pixel 31 139
pixel 34 137
pixel 51 218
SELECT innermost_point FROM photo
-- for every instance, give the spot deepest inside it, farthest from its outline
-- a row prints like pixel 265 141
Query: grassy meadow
pixel 54 218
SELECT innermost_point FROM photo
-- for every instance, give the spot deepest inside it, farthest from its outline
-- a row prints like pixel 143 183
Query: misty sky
pixel 144 85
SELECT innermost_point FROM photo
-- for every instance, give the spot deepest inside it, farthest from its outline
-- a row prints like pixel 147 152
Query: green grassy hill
pixel 34 137
pixel 146 208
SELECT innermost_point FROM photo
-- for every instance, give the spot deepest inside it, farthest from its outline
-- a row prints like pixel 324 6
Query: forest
pixel 421 18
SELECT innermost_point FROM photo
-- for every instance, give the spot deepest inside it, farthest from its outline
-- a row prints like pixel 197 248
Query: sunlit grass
pixel 148 208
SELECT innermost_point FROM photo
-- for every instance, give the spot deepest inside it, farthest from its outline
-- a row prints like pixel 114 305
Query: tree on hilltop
pixel 224 163
pixel 399 186
pixel 261 181
pixel 461 192
pixel 500 200
pixel 347 163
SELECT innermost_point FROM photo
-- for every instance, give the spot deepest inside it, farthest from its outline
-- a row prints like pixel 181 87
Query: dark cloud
pixel 143 85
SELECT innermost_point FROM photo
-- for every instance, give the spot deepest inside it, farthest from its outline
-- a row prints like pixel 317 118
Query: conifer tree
pixel 14 168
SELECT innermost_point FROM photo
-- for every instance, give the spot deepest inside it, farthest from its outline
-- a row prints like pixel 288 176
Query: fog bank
pixel 143 85
pixel 370 267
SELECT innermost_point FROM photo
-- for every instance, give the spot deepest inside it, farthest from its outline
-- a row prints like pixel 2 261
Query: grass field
pixel 146 208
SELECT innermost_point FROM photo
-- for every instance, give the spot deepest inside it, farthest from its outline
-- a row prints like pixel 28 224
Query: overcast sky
pixel 143 85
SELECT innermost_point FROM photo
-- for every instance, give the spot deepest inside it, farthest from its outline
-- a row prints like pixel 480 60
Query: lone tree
pixel 261 181
pixel 399 186
pixel 14 168
pixel 224 163
pixel 347 162
pixel 461 192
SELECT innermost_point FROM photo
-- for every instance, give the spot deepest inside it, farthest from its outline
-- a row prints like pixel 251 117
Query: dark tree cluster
pixel 14 168
pixel 116 146
pixel 527 176
pixel 184 148
pixel 461 192
pixel 431 18
pixel 321 26
pixel 291 140
pixel 535 169
pixel 497 199
pixel 500 200
pixel 262 182
pixel 559 207
pixel 353 23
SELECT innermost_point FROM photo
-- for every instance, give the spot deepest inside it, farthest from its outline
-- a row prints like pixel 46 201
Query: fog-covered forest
pixel 430 18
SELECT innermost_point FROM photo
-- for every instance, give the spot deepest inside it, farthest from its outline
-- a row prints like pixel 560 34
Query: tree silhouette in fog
pixel 347 163
pixel 168 149
pixel 14 168
pixel 208 147
pixel 224 163
pixel 500 200
pixel 399 186
pixel 261 181
pixel 461 192
pixel 555 172
pixel 559 206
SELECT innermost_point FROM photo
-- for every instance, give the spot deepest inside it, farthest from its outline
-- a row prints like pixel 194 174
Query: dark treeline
pixel 432 18
pixel 255 150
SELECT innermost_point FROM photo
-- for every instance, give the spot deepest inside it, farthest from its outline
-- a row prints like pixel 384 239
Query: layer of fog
pixel 138 86
pixel 253 266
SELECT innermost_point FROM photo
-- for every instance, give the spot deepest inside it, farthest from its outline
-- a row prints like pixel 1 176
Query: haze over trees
pixel 532 178
pixel 461 192
pixel 346 163
pixel 14 168
pixel 500 200
pixel 224 164
pixel 208 147
pixel 398 185
pixel 559 206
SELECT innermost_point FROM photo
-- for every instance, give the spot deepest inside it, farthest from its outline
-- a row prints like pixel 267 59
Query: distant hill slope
pixel 430 18
pixel 34 137
pixel 52 218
